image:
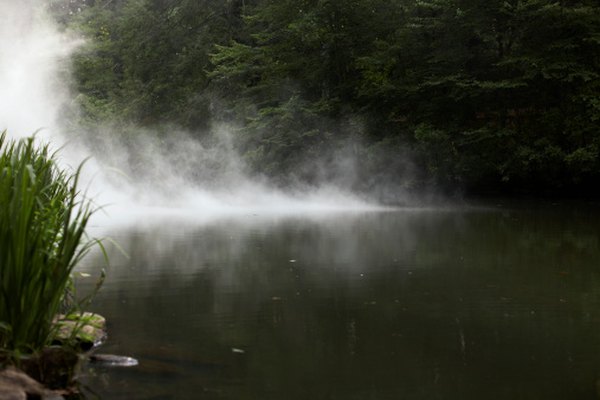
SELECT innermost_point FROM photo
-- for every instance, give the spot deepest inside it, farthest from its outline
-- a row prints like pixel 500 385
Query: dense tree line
pixel 494 94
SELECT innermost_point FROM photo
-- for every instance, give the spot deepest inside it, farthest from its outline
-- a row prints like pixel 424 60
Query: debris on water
pixel 237 351
pixel 293 261
pixel 275 298
pixel 113 360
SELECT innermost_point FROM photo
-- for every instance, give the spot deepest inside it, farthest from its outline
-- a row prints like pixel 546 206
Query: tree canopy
pixel 501 95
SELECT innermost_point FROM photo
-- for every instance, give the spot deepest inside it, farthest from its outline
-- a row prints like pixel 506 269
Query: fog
pixel 148 174
pixel 32 61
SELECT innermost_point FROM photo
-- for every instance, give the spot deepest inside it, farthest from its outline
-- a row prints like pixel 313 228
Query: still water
pixel 495 302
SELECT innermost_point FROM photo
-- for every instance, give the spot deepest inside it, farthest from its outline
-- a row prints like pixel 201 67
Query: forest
pixel 309 199
pixel 495 96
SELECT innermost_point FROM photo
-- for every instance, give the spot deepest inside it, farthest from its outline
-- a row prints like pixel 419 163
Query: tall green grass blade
pixel 42 238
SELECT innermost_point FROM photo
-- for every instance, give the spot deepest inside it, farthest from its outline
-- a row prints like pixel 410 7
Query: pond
pixel 490 302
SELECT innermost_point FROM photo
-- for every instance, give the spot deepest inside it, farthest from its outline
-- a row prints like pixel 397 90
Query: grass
pixel 42 238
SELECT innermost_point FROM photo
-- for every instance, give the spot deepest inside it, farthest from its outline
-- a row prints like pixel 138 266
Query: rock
pixel 14 377
pixel 54 366
pixel 87 329
pixel 11 392
pixel 17 385
pixel 49 374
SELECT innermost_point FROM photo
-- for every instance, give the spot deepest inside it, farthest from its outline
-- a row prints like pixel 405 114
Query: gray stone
pixel 17 385
pixel 12 393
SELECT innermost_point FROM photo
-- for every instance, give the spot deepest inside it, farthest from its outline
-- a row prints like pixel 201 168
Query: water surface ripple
pixel 499 302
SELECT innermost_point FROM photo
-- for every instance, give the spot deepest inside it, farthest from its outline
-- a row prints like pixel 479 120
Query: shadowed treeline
pixel 496 95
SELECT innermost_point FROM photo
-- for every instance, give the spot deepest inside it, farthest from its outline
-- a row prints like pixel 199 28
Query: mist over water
pixel 173 174
pixel 32 55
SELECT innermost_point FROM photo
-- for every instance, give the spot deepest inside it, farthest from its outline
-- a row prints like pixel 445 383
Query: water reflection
pixel 483 303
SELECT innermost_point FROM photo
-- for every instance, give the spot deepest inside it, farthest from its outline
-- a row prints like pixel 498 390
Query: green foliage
pixel 290 80
pixel 507 86
pixel 42 223
pixel 145 61
pixel 495 93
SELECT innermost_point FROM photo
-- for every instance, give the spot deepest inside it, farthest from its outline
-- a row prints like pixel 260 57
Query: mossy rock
pixel 85 330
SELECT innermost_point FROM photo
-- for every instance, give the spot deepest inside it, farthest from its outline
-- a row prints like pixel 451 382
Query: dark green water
pixel 482 303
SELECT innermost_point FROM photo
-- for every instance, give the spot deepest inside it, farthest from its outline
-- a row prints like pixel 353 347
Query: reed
pixel 42 238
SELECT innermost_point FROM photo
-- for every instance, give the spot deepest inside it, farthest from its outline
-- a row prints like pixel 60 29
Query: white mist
pixel 32 54
pixel 33 91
